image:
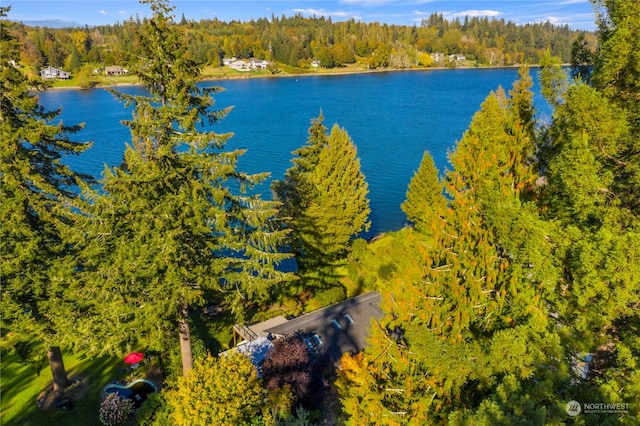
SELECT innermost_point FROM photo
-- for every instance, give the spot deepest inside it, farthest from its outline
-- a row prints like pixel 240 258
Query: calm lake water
pixel 392 117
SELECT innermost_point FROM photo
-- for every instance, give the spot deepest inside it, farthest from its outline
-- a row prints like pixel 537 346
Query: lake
pixel 392 117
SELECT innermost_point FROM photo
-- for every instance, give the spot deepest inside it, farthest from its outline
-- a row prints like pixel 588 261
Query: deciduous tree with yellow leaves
pixel 221 391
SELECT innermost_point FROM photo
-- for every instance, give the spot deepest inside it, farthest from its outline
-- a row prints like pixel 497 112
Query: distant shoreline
pixel 209 78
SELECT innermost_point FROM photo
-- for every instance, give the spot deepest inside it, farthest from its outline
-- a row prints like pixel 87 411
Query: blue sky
pixel 578 14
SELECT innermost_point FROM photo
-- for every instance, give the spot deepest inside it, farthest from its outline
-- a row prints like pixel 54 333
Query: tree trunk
pixel 60 380
pixel 185 339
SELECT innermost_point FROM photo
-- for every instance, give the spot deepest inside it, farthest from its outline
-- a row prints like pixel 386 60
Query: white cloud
pixel 103 12
pixel 554 20
pixel 579 20
pixel 122 12
pixel 476 13
pixel 321 12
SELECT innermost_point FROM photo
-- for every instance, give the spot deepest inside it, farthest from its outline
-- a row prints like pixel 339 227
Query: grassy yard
pixel 22 384
pixel 100 81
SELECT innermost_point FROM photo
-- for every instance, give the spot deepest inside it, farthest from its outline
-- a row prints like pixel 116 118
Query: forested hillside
pixel 297 41
pixel 513 296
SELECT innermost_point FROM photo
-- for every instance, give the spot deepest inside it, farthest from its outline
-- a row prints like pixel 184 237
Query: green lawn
pixel 100 81
pixel 22 383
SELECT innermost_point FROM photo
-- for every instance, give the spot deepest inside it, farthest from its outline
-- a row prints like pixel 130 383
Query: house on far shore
pixel 258 64
pixel 228 61
pixel 248 65
pixel 333 330
pixel 114 70
pixel 49 73
pixel 239 65
pixel 438 57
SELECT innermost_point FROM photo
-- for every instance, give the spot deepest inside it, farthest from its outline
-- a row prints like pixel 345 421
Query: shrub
pixel 218 391
pixel 115 410
pixel 154 411
pixel 331 295
pixel 289 363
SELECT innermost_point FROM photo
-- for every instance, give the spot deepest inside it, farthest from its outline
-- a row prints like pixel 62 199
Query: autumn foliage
pixel 219 391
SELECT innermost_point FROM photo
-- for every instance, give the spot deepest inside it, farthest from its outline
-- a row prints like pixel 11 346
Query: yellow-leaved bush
pixel 218 391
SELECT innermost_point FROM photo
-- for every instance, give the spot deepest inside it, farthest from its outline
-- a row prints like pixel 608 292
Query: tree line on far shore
pixel 297 41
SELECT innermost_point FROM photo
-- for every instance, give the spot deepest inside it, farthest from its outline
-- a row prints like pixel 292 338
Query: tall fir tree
pixel 616 70
pixel 166 225
pixel 294 191
pixel 581 59
pixel 324 197
pixel 36 211
pixel 616 75
pixel 425 201
pixel 465 314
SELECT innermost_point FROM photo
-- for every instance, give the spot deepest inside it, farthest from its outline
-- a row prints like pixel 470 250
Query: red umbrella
pixel 134 358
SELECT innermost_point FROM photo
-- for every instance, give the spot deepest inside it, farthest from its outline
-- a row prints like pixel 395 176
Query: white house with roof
pixel 239 65
pixel 114 70
pixel 227 61
pixel 248 65
pixel 457 57
pixel 49 73
pixel 257 64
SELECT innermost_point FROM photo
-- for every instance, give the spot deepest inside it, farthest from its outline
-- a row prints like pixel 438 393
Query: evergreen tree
pixel 487 315
pixel 166 226
pixel 425 201
pixel 72 64
pixel 293 192
pixel 584 152
pixel 324 197
pixel 616 75
pixel 465 309
pixel 616 70
pixel 553 79
pixel 37 195
pixel 581 59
